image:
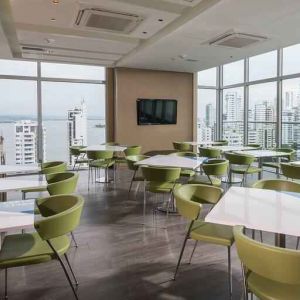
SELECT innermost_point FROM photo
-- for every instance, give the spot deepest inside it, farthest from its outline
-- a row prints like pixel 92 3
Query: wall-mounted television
pixel 156 111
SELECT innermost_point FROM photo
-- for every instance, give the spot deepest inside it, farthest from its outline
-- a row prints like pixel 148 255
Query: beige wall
pixel 131 84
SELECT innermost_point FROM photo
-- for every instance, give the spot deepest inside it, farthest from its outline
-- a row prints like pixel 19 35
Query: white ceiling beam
pixel 190 14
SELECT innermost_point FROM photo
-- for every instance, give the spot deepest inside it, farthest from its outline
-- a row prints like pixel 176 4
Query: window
pixel 18 67
pixel 70 71
pixel 73 114
pixel 262 114
pixel 291 60
pixel 233 115
pixel 207 77
pixel 206 116
pixel 18 111
pixel 263 66
pixel 233 73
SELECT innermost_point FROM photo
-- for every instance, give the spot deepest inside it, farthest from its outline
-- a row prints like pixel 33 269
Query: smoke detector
pixel 101 19
pixel 237 40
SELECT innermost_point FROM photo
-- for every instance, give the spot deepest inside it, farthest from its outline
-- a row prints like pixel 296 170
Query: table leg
pixel 3 196
pixel 280 240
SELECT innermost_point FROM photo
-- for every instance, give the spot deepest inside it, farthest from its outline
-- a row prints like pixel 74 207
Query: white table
pixel 8 184
pixel 233 148
pixel 18 169
pixel 259 209
pixel 261 154
pixel 190 163
pixel 296 163
pixel 104 148
pixel 202 143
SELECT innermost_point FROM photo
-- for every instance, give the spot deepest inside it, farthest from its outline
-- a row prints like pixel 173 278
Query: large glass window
pixel 263 66
pixel 73 114
pixel 291 60
pixel 71 71
pixel 291 114
pixel 18 67
pixel 233 73
pixel 262 114
pixel 206 115
pixel 233 115
pixel 207 77
pixel 18 122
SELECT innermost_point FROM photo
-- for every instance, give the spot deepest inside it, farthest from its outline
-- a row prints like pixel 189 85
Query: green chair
pixel 189 200
pixel 256 146
pixel 160 180
pixel 46 168
pixel 209 152
pixel 60 215
pixel 221 143
pixel 213 169
pixel 99 159
pixel 182 147
pixel 290 171
pixel 79 156
pixel 241 164
pixel 131 160
pixel 275 162
pixel 185 172
pixel 129 151
pixel 269 272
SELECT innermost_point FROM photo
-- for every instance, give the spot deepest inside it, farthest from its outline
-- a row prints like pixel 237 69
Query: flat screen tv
pixel 156 111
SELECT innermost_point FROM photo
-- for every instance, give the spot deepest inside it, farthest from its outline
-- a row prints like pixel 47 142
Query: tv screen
pixel 156 111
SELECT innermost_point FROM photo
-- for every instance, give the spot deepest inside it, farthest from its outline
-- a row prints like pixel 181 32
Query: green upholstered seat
pixel 182 147
pixel 185 172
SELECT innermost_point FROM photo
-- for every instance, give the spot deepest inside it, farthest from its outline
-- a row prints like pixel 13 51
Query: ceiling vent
pixel 99 19
pixel 237 40
pixel 33 49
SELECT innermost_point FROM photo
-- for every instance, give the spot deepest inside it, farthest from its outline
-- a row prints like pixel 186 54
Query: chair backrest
pixel 183 147
pixel 290 171
pixel 60 215
pixel 256 146
pixel 239 159
pixel 99 154
pixel 209 152
pixel 221 143
pixel 132 159
pixel 277 185
pixel 75 150
pixel 274 263
pixel 53 167
pixel 200 193
pixel 159 174
pixel 62 183
pixel 133 150
pixel 215 167
pixel 291 153
pixel 184 154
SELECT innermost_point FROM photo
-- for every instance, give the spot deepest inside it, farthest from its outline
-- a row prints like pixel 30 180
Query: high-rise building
pixel 26 139
pixel 210 115
pixel 233 109
pixel 77 127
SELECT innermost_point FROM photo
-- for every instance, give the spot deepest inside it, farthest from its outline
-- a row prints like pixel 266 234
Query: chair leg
pixel 73 239
pixel 245 289
pixel 6 279
pixel 72 272
pixel 144 205
pixel 229 272
pixel 261 236
pixel 89 171
pixel 64 269
pixel 131 182
pixel 195 246
pixel 181 253
pixel 298 241
pixel 23 195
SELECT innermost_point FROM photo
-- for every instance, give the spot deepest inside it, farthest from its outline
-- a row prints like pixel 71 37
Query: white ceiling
pixel 183 34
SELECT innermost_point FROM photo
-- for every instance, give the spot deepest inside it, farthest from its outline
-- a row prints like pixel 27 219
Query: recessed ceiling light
pixel 145 32
pixel 53 19
pixel 160 20
pixel 55 1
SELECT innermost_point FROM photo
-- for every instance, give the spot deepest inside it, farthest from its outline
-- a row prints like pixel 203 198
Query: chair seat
pixel 187 173
pixel 34 190
pixel 212 233
pixel 275 165
pixel 245 170
pixel 101 164
pixel 202 179
pixel 267 289
pixel 158 187
pixel 29 248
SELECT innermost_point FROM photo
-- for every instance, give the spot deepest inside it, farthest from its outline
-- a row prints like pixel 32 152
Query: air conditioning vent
pixel 237 40
pixel 35 49
pixel 99 19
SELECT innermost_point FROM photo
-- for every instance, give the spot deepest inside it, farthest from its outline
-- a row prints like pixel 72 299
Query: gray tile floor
pixel 119 258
